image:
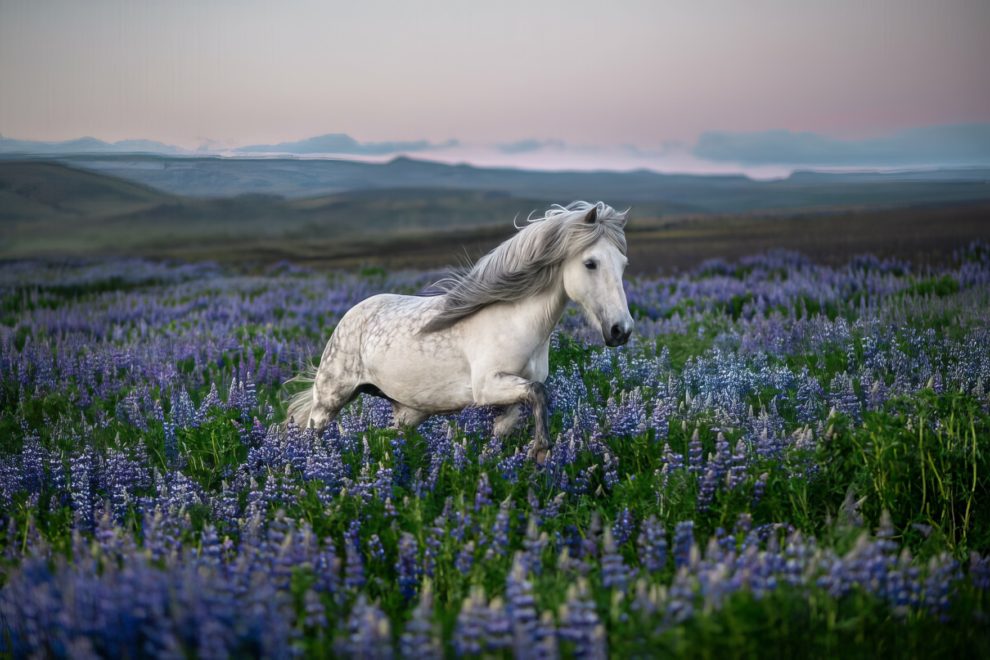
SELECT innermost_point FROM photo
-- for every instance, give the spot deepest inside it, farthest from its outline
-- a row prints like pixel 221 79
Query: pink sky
pixel 591 73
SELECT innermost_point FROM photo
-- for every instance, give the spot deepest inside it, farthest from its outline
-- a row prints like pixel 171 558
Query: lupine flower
pixel 465 558
pixel 368 632
pixel 652 545
pixel 354 568
pixel 759 487
pixel 419 639
pixel 407 565
pixel 521 608
pixel 622 529
pixel 579 623
pixel 683 543
pixel 470 634
pixel 615 575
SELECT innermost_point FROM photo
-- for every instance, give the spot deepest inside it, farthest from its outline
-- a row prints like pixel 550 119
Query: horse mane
pixel 529 262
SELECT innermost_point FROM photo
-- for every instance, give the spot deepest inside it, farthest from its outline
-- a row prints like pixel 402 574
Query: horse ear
pixel 592 215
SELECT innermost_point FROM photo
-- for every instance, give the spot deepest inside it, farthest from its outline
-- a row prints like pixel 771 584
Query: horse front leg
pixel 541 443
pixel 502 389
pixel 507 420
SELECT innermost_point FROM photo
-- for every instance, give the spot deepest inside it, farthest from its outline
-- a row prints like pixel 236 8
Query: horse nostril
pixel 616 331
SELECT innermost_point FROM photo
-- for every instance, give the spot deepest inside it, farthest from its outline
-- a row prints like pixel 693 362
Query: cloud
pixel 529 145
pixel 340 143
pixel 945 145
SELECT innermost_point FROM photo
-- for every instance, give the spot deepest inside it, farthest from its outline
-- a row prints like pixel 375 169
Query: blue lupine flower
pixel 652 545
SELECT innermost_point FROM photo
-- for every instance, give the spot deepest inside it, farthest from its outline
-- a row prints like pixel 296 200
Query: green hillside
pixel 50 209
pixel 41 190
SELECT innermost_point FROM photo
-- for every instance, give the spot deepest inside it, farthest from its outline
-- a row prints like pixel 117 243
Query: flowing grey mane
pixel 529 262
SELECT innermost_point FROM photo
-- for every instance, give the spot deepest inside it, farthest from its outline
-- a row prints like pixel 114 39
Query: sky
pixel 647 77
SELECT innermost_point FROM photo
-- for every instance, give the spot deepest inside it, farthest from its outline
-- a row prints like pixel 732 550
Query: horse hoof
pixel 538 455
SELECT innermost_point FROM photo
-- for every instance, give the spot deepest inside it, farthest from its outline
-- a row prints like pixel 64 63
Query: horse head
pixel 592 278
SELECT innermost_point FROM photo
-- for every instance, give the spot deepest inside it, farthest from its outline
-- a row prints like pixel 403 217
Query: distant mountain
pixel 340 143
pixel 667 193
pixel 85 145
pixel 953 145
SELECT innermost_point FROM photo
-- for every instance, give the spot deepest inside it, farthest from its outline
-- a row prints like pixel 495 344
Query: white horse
pixel 486 339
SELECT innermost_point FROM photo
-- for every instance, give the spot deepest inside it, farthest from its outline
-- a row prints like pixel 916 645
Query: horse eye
pixel 590 265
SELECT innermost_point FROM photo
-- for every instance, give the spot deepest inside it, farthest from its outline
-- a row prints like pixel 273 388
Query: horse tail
pixel 300 404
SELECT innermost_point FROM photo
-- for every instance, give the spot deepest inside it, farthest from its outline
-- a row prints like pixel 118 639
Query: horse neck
pixel 543 310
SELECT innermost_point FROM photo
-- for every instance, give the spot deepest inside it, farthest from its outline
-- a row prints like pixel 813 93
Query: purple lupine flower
pixel 627 417
pixel 660 419
pixel 375 548
pixel 652 545
pixel 483 494
pixel 810 396
pixel 465 558
pixel 81 477
pixel 210 401
pixel 460 455
pixel 680 598
pixel 354 566
pixel 706 488
pixel 326 568
pixel 544 639
pixel 433 542
pixel 314 612
pixel 210 548
pixel 759 487
pixel 737 466
pixel 407 565
pixel 843 398
pixel 171 446
pixel 622 529
pixel 521 607
pixel 615 575
pixel 470 636
pixel 720 460
pixel 499 542
pixel 368 632
pixel 610 472
pixel 683 543
pixel 580 625
pixel 695 452
pixel 498 626
pixel 533 544
pixel 979 571
pixel 420 638
pixel 943 572
pixel 184 413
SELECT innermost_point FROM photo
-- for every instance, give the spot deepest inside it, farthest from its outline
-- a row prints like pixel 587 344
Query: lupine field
pixel 787 459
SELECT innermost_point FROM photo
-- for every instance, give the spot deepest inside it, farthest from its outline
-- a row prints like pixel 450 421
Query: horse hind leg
pixel 331 392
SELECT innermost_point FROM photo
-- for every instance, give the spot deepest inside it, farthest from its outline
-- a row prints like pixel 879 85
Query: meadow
pixel 788 458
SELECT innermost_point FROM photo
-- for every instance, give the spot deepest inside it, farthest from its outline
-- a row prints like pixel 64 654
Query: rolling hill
pixel 675 193
pixel 53 209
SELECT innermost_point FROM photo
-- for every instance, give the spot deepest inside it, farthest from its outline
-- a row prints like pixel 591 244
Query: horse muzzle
pixel 617 334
